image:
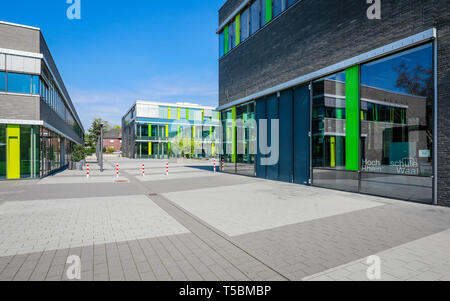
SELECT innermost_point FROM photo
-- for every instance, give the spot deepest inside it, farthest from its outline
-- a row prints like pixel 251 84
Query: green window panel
pixel 238 30
pixel 268 11
pixel 233 133
pixel 226 39
pixel 352 118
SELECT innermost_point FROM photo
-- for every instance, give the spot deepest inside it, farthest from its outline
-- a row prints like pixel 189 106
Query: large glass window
pixel 183 113
pixel 397 113
pixel 2 151
pixel 231 35
pixel 246 139
pixel 291 2
pixel 164 112
pixel 2 81
pixel 263 12
pixel 19 83
pixel 227 127
pixel 254 17
pixel 35 87
pixel 245 24
pixel 328 122
pixel 278 7
pixel 221 44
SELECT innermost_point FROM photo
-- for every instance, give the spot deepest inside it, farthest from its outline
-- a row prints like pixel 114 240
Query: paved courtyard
pixel 198 225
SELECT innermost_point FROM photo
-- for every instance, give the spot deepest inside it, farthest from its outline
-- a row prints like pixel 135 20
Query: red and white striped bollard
pixel 167 168
pixel 117 170
pixel 143 170
pixel 87 171
pixel 214 165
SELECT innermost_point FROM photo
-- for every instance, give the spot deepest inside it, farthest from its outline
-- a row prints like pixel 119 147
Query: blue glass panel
pixel 2 81
pixel 221 44
pixel 19 83
pixel 254 17
pixel 291 2
pixel 35 87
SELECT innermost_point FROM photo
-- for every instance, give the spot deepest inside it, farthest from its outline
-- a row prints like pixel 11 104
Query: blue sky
pixel 121 51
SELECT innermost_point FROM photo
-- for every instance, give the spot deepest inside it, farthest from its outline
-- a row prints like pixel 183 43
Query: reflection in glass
pixel 254 17
pixel 245 24
pixel 328 122
pixel 19 83
pixel 396 113
pixel 246 139
pixel 2 81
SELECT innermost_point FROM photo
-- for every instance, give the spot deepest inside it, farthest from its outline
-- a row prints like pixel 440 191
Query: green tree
pixel 94 131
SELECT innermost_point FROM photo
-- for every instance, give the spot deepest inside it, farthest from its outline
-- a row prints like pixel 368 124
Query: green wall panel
pixel 352 118
pixel 238 30
pixel 225 37
pixel 268 11
pixel 233 134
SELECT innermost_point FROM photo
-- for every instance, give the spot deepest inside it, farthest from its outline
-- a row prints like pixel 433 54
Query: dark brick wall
pixel 443 55
pixel 315 34
pixel 228 8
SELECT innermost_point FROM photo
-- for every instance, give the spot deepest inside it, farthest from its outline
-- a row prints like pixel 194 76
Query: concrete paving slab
pixel 400 263
pixel 80 180
pixel 258 206
pixel 34 226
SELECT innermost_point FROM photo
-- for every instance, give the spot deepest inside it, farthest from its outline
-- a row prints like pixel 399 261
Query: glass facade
pixel 370 129
pixel 246 132
pixel 2 81
pixel 19 83
pixel 245 24
pixel 253 16
pixel 37 85
pixel 175 132
pixel 31 151
pixel 328 122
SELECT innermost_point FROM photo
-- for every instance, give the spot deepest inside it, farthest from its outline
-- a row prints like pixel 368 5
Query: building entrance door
pixel 302 139
pixel 13 153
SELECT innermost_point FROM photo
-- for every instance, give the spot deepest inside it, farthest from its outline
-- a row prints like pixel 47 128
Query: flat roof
pixel 176 104
pixel 20 25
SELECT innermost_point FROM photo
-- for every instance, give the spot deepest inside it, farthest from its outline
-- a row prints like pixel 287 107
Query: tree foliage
pixel 94 131
pixel 78 153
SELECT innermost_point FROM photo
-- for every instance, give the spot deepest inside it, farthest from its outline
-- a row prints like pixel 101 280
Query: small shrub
pixel 78 153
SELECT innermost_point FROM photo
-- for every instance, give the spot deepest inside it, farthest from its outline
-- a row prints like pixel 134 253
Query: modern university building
pixel 157 130
pixel 362 103
pixel 38 122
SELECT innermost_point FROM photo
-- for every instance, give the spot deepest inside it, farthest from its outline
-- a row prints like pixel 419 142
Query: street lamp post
pixel 101 147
